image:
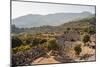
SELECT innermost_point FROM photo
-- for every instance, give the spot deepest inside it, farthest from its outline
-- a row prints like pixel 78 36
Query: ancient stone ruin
pixel 71 36
pixel 66 42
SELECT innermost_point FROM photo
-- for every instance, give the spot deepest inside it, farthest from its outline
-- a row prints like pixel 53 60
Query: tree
pixel 86 38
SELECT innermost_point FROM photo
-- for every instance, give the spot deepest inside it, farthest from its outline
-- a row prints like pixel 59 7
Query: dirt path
pixel 44 60
pixel 48 59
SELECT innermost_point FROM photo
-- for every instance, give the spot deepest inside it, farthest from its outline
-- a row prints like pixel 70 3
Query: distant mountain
pixel 36 20
pixel 76 24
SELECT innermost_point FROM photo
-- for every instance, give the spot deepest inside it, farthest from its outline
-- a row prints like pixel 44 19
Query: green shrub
pixel 28 41
pixel 36 41
pixel 16 42
pixel 51 44
pixel 43 41
pixel 78 49
pixel 85 56
pixel 86 38
pixel 90 30
pixel 20 48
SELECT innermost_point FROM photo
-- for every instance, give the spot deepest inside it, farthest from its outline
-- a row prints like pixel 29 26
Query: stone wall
pixel 70 36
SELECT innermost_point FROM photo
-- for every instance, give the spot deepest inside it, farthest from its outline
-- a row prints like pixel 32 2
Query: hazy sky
pixel 24 8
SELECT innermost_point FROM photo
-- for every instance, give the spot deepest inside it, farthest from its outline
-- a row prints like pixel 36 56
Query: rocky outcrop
pixel 66 43
pixel 68 36
pixel 25 58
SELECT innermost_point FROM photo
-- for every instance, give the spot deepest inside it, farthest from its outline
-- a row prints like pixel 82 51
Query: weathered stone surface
pixel 72 36
pixel 68 36
pixel 25 58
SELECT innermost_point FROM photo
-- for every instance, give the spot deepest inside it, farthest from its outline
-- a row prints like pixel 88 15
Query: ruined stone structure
pixel 71 36
pixel 66 42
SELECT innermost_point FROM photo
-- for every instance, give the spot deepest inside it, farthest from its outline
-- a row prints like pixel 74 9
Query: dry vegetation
pixel 68 45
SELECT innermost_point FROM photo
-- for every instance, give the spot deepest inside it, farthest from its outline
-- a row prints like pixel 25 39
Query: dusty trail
pixel 43 60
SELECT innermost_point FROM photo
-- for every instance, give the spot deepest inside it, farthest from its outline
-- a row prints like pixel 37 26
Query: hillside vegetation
pixel 72 41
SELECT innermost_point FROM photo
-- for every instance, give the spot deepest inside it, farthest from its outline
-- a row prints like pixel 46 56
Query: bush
pixel 24 48
pixel 28 41
pixel 90 30
pixel 68 29
pixel 20 48
pixel 16 42
pixel 51 44
pixel 43 41
pixel 35 41
pixel 86 38
pixel 85 56
pixel 78 49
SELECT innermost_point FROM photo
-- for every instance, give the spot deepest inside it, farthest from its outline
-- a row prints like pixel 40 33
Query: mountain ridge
pixel 81 23
pixel 36 20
